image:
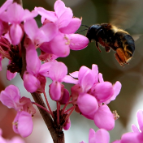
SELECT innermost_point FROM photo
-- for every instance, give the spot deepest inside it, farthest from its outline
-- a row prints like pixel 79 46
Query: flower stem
pixel 69 109
pixel 40 107
pixel 70 112
pixel 48 104
pixel 58 119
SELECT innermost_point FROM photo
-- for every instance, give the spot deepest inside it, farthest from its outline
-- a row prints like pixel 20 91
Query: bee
pixel 111 37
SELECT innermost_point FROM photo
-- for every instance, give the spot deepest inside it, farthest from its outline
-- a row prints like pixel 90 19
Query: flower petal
pixel 49 15
pixel 130 138
pixel 10 96
pixel 101 114
pixel 101 136
pixel 55 90
pixel 16 34
pixel 86 78
pixel 23 124
pixel 103 91
pixel 10 75
pixel 65 18
pixel 47 32
pixel 5 5
pixel 72 26
pixel 32 60
pixel 59 7
pixel 87 104
pixel 57 71
pixel 69 79
pixel 78 42
pixel 58 46
pixel 14 13
pixel 31 27
pixel 31 83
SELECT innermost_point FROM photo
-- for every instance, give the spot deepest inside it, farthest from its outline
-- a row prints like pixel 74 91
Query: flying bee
pixel 109 36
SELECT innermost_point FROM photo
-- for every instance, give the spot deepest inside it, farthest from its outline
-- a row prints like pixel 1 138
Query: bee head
pixel 93 31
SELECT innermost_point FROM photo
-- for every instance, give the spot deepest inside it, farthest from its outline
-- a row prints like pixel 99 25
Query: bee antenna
pixel 85 26
pixel 81 30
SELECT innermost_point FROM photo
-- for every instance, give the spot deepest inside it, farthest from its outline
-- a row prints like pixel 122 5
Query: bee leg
pixel 97 46
pixel 120 56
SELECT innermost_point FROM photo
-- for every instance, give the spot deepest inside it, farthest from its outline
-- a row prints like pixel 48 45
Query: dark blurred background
pixel 126 14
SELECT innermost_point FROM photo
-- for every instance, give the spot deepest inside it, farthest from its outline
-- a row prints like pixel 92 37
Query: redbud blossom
pixel 57 72
pixel 101 136
pixel 14 15
pixel 136 136
pixel 91 94
pixel 34 76
pixel 66 25
pixel 23 123
pixel 39 35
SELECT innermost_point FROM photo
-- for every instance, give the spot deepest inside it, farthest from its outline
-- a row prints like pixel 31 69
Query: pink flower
pixel 14 15
pixel 39 35
pixel 34 77
pixel 104 118
pixel 91 93
pixel 66 25
pixel 22 124
pixel 101 136
pixel 137 135
pixel 4 27
pixel 57 72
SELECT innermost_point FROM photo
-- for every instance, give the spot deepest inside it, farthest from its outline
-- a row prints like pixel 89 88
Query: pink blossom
pixel 22 124
pixel 91 93
pixel 87 104
pixel 103 113
pixel 10 97
pixel 14 15
pixel 66 25
pixel 101 136
pixel 39 35
pixel 57 72
pixel 4 27
pixel 137 135
pixel 34 77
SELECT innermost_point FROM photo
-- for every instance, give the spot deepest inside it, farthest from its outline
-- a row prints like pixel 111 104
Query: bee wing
pixel 124 13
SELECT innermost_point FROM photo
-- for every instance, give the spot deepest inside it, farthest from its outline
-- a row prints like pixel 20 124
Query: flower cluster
pixel 20 37
pixel 91 94
pixel 55 37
